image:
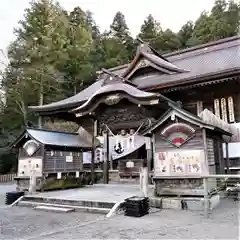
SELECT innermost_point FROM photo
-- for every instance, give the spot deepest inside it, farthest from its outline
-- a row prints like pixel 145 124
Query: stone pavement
pixel 98 192
pixel 28 224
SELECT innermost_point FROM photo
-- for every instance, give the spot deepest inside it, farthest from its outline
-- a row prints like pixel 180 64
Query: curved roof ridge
pixel 118 87
pixel 71 101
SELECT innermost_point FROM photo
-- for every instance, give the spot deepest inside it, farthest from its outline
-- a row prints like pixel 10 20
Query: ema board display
pixel 28 167
pixel 180 163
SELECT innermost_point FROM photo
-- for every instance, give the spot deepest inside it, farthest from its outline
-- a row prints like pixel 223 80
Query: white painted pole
pixel 17 201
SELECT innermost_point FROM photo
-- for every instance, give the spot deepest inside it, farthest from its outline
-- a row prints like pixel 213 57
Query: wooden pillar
pixel 153 149
pixel 148 144
pixel 94 134
pixel 227 158
pixel 106 157
pixel 220 157
pixel 110 159
pixel 205 150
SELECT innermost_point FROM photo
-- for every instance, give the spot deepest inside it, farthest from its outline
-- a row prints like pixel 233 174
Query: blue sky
pixel 171 13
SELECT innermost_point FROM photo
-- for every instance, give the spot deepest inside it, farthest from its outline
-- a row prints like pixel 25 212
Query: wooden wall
pixel 214 148
pixel 190 96
pixel 57 162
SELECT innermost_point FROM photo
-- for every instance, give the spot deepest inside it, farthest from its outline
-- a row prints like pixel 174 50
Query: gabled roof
pixel 54 138
pixel 215 59
pixel 148 57
pixel 187 116
pixel 119 87
pixel 133 93
pixel 205 62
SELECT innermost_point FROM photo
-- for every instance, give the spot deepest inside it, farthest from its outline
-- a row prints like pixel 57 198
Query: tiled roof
pixel 218 57
pixel 199 61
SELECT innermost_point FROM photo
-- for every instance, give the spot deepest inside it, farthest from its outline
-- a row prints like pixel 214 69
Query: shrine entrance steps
pixel 65 206
pixel 99 198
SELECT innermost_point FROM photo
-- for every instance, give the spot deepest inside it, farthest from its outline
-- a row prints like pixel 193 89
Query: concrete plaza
pixel 98 192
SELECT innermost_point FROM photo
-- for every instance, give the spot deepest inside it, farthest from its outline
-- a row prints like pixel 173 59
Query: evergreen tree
pixel 119 28
pixel 78 68
pixel 222 22
pixel 91 24
pixel 186 35
pixel 162 41
pixel 233 17
pixel 219 25
pixel 170 41
pixel 120 32
pixel 202 30
pixel 151 32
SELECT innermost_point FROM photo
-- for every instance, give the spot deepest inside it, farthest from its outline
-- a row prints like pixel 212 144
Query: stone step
pixel 72 203
pixel 54 209
pixel 34 204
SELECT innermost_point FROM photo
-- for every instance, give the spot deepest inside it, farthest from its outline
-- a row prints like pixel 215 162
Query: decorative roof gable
pixel 145 57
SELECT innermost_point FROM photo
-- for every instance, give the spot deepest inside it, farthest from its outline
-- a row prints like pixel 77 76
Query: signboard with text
pixel 179 163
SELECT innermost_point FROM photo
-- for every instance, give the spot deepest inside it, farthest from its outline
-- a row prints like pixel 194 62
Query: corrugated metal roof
pixel 53 138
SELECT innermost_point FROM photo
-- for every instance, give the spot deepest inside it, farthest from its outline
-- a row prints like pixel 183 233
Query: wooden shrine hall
pixel 152 111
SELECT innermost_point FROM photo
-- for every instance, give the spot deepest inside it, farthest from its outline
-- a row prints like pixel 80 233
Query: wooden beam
pixel 227 158
pixel 106 157
pixel 94 134
pixel 204 135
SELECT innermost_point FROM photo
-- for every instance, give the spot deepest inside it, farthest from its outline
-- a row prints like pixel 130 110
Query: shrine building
pixel 176 113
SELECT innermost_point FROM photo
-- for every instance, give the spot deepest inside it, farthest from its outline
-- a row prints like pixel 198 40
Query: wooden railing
pixel 7 177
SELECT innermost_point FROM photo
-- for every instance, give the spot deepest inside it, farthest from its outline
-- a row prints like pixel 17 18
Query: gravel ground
pixel 26 224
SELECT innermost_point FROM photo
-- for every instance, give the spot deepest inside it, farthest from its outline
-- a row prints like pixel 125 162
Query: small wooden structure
pixel 49 155
pixel 185 149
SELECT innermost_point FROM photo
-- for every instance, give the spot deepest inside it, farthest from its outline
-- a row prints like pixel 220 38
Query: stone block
pixel 156 202
pixel 170 203
pixel 197 204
